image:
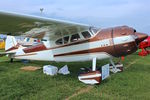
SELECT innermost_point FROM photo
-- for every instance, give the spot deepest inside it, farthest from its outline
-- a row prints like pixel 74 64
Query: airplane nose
pixel 140 37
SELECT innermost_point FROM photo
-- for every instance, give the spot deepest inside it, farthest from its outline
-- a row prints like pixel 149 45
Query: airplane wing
pixel 37 27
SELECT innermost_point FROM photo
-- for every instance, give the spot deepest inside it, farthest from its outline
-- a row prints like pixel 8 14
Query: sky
pixel 99 13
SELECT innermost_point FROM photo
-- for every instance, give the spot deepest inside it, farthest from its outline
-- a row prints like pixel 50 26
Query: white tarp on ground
pixel 105 71
pixel 50 70
pixel 64 70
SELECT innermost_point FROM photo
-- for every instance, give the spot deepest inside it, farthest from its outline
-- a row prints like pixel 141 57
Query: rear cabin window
pixel 86 34
pixel 59 41
pixel 66 39
pixel 75 37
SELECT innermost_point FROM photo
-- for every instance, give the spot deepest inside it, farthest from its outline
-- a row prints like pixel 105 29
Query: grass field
pixel 132 84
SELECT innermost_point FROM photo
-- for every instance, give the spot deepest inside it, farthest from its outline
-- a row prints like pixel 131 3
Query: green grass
pixel 132 84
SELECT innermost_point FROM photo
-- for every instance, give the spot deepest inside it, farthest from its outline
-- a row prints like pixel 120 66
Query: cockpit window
pixel 75 37
pixel 59 41
pixel 66 39
pixel 86 34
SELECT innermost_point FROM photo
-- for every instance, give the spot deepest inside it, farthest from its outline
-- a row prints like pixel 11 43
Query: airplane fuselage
pixel 107 43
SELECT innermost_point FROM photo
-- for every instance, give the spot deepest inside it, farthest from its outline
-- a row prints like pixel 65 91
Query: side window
pixel 59 41
pixel 66 39
pixel 86 34
pixel 75 37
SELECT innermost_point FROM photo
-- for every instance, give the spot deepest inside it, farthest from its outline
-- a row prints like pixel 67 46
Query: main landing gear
pixel 94 76
pixel 114 68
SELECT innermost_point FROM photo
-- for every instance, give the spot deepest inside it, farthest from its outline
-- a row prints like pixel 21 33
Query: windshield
pixel 86 34
pixel 93 30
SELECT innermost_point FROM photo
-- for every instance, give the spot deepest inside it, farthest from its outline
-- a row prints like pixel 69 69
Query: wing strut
pixel 94 64
pixel 114 68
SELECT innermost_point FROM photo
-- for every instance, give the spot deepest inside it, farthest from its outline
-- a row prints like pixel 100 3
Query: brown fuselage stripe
pixel 42 47
pixel 108 49
pixel 36 48
pixel 13 48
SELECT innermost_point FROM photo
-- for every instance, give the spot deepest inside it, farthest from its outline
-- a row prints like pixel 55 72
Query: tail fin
pixel 11 43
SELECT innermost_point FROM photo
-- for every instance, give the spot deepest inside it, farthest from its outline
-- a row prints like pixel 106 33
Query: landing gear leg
pixel 114 68
pixel 94 64
pixel 11 60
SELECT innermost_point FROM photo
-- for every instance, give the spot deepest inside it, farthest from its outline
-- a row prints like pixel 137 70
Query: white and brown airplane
pixel 67 41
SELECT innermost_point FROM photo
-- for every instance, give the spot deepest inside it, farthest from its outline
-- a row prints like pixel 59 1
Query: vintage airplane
pixel 67 41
